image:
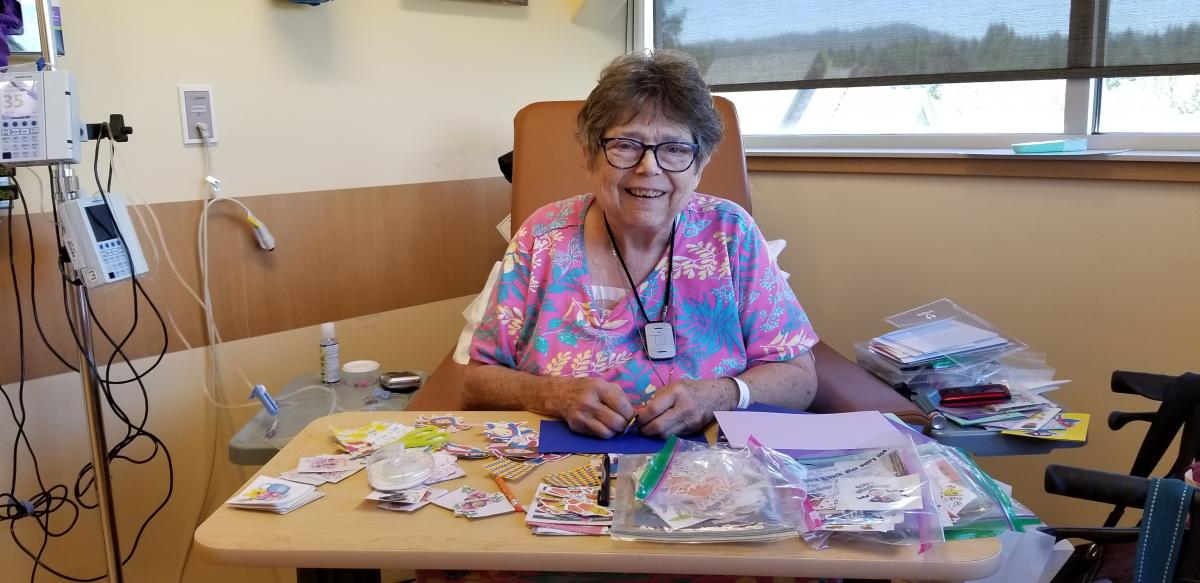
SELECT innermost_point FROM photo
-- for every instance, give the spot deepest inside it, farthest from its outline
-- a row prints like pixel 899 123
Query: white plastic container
pixel 395 468
pixel 361 374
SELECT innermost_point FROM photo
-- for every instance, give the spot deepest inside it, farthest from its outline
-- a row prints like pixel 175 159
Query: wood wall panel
pixel 340 254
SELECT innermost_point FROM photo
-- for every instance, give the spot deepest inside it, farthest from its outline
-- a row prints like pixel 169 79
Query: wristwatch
pixel 743 393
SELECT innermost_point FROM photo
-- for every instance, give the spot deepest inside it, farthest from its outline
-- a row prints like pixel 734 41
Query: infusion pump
pixel 93 242
pixel 39 119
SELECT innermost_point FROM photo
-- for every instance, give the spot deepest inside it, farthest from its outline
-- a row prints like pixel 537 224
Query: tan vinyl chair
pixel 548 165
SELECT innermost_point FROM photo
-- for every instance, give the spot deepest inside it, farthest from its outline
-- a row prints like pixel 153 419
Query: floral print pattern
pixel 731 309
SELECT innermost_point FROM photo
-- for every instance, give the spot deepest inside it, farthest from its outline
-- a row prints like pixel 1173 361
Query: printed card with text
pixel 880 493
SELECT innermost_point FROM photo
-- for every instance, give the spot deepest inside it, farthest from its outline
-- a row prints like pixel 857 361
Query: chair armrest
pixel 843 386
pixel 442 391
pixel 1093 534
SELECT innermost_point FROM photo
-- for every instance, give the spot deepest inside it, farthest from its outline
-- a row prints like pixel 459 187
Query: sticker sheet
pixel 445 467
pixel 554 505
pixel 363 441
pixel 275 495
pixel 270 491
pixel 461 451
pixel 403 496
pixel 445 421
pixel 514 432
pixel 349 467
pixel 426 499
pixel 471 503
pixel 310 479
pixel 322 463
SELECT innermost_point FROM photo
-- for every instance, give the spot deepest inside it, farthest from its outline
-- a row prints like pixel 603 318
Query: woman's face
pixel 645 197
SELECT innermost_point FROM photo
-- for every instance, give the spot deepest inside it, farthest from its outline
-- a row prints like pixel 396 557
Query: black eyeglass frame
pixel 649 147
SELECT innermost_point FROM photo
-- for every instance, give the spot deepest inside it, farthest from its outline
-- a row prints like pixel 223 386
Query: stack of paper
pixel 323 469
pixel 939 339
pixel 1063 427
pixel 567 511
pixel 406 500
pixel 275 495
pixel 1026 411
pixel 363 441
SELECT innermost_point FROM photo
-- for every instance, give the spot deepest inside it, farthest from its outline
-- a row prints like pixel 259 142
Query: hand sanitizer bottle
pixel 330 357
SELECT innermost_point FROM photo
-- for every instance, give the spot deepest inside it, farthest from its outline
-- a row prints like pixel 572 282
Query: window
pixel 964 74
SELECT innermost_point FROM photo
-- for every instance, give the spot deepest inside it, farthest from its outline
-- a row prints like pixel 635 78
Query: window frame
pixel 1080 119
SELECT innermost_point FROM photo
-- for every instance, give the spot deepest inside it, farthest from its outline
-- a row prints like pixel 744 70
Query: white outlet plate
pixel 196 105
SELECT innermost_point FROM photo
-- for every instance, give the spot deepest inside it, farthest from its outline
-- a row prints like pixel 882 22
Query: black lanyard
pixel 633 286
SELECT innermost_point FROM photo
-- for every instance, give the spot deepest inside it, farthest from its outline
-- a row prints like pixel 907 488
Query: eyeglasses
pixel 625 153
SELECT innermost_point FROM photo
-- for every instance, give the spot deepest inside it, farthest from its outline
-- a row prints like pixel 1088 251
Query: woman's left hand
pixel 685 407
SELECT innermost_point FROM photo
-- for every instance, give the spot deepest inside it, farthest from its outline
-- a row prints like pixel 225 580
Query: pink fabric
pixel 731 309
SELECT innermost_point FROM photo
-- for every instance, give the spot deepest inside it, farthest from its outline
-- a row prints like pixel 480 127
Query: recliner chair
pixel 548 165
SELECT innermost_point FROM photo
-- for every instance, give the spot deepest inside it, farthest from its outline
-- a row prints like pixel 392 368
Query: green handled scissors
pixel 429 436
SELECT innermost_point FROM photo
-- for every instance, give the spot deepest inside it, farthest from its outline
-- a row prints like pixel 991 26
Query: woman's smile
pixel 644 193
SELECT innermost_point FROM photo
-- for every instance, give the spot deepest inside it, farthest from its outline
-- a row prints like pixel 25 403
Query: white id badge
pixel 660 340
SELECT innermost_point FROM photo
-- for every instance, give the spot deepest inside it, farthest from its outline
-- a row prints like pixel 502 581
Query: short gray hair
pixel 664 81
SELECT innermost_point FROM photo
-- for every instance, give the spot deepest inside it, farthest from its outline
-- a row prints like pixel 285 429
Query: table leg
pixel 338 576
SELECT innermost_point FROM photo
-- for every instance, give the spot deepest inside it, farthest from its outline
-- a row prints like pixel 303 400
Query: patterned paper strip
pixel 585 475
pixel 508 469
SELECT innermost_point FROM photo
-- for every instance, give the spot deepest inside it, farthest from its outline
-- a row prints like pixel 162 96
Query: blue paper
pixel 556 437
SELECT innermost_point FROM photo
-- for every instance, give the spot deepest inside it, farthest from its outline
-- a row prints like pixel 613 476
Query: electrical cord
pixel 48 500
pixel 137 286
pixel 214 335
pixel 37 321
pixel 43 505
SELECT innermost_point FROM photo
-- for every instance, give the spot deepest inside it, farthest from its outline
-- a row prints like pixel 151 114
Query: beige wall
pixel 353 93
pixel 1098 275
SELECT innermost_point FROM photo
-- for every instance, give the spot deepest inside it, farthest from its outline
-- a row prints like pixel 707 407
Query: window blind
pixel 802 44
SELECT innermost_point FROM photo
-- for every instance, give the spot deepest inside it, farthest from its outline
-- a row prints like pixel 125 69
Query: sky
pixel 753 18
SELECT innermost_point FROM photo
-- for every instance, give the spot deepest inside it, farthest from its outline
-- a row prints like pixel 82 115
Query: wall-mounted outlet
pixel 197 113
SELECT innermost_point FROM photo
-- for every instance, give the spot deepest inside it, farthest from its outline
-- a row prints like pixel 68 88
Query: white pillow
pixel 474 314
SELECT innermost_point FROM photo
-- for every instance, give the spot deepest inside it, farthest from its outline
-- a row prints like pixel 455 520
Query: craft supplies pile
pixel 964 371
pixel 778 475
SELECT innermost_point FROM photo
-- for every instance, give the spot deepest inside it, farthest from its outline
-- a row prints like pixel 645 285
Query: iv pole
pixel 64 185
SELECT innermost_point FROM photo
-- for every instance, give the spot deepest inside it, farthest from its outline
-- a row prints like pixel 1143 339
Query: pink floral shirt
pixel 730 307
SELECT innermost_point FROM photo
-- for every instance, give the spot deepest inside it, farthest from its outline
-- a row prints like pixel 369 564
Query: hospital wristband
pixel 743 393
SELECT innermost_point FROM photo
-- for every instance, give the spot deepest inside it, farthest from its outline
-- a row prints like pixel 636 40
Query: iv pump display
pixel 94 233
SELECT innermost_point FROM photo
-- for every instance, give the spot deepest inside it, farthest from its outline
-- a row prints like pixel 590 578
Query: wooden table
pixel 344 531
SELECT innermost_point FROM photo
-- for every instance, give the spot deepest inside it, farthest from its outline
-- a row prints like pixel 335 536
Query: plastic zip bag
pixel 698 493
pixel 973 505
pixel 879 495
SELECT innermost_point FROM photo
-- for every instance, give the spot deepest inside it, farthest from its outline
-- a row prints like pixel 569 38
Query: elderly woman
pixel 642 299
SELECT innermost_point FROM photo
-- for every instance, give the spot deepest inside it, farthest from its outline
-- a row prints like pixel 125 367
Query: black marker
pixel 603 495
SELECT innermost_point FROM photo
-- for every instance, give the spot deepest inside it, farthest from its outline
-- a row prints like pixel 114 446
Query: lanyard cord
pixel 633 286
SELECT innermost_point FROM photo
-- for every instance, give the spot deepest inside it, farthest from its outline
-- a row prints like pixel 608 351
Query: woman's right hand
pixel 593 406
